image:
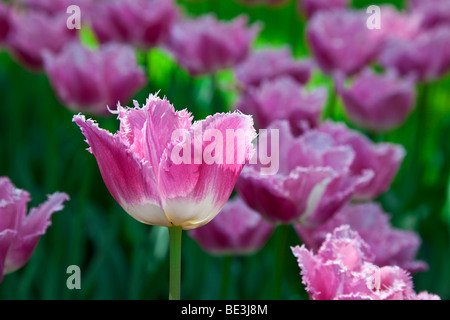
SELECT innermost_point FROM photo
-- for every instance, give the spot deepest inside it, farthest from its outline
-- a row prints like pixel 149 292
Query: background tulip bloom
pixel 342 269
pixel 20 232
pixel 339 40
pixel 314 179
pixel 141 173
pixel 284 98
pixel 389 245
pixel 237 229
pixel 33 33
pixel 425 57
pixel 268 64
pixel 383 159
pixel 434 12
pixel 310 7
pixel 90 80
pixel 378 102
pixel 142 23
pixel 206 45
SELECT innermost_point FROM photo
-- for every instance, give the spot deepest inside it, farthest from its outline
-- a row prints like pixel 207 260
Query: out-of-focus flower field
pixel 43 151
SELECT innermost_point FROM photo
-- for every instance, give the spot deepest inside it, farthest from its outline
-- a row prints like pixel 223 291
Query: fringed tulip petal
pixel 342 269
pixel 390 246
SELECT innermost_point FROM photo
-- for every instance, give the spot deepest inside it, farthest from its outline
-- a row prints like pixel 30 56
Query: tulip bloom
pixel 33 33
pixel 20 232
pixel 378 102
pixel 424 57
pixel 206 45
pixel 269 64
pixel 311 7
pixel 340 41
pixel 342 269
pixel 284 98
pixel 90 80
pixel 314 179
pixel 142 23
pixel 434 12
pixel 237 229
pixel 383 159
pixel 389 245
pixel 141 168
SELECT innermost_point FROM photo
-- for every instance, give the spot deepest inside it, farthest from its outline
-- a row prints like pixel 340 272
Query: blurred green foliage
pixel 42 151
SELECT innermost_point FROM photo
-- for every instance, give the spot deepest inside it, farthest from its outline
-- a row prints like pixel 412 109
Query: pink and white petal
pixel 131 183
pixel 161 122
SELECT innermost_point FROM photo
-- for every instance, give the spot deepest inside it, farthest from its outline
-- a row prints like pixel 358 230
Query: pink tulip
pixel 389 245
pixel 34 33
pixel 20 232
pixel 378 102
pixel 91 80
pixel 341 42
pixel 206 45
pixel 342 269
pixel 237 229
pixel 144 170
pixel 313 181
pixel 268 64
pixel 142 23
pixel 434 12
pixel 311 7
pixel 424 57
pixel 383 159
pixel 284 98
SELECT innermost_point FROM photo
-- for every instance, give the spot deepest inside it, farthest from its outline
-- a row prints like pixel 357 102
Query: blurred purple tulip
pixel 57 7
pixel 383 159
pixel 5 21
pixel 378 102
pixel 20 232
pixel 340 41
pixel 342 269
pixel 434 12
pixel 311 7
pixel 139 169
pixel 141 23
pixel 389 245
pixel 91 80
pixel 267 64
pixel 425 57
pixel 313 181
pixel 34 33
pixel 284 98
pixel 206 45
pixel 237 229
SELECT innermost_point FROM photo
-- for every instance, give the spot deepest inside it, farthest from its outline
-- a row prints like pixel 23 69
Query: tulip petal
pixel 131 183
pixel 33 227
pixel 193 193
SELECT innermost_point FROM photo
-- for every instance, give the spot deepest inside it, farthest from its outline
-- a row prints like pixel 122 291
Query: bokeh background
pixel 43 151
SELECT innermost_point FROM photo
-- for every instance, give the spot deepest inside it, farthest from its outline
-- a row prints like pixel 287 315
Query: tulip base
pixel 175 233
